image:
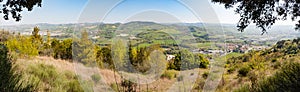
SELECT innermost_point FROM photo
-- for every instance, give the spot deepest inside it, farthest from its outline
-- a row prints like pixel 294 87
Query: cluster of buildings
pixel 229 48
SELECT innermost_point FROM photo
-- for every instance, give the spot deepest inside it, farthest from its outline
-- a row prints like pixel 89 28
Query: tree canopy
pixel 15 7
pixel 263 13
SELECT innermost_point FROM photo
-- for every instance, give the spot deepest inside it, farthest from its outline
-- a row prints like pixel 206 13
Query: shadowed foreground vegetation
pixel 11 81
pixel 285 80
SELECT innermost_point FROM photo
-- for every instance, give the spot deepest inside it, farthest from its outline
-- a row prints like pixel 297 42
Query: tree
pixel 62 49
pixel 47 46
pixel 104 57
pixel 187 59
pixel 201 61
pixel 264 13
pixel 36 38
pixel 119 53
pixel 84 50
pixel 15 7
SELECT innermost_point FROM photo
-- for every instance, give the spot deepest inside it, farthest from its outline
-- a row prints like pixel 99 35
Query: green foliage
pixel 285 80
pixel 287 46
pixel 62 49
pixel 185 60
pixel 119 52
pixel 202 61
pixel 10 81
pixel 170 74
pixel 231 70
pixel 22 45
pixel 104 58
pixel 52 80
pixel 244 71
pixel 87 86
pixel 96 78
pixel 143 58
pixel 84 50
pixel 114 86
pixel 36 37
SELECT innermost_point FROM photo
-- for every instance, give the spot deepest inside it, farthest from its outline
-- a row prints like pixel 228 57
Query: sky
pixel 112 11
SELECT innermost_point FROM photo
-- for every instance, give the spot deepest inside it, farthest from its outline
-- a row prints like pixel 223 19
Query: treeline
pixel 139 58
pixel 34 45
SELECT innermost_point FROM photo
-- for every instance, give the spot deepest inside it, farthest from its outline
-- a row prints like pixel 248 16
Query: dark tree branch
pixel 263 13
pixel 15 7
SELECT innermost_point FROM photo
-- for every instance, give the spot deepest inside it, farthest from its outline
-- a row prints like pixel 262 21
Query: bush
pixel 244 71
pixel 285 80
pixel 114 86
pixel 205 75
pixel 204 62
pixel 231 70
pixel 170 74
pixel 52 80
pixel 96 78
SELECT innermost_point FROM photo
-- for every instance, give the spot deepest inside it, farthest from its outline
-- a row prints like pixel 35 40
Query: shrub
pixel 96 78
pixel 170 74
pixel 285 80
pixel 244 71
pixel 231 70
pixel 205 75
pixel 114 86
pixel 23 46
pixel 52 80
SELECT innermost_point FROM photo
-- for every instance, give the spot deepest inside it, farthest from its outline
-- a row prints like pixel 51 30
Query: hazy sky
pixel 111 11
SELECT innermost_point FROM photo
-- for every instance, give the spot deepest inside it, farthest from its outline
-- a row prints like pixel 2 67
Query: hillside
pixel 258 65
